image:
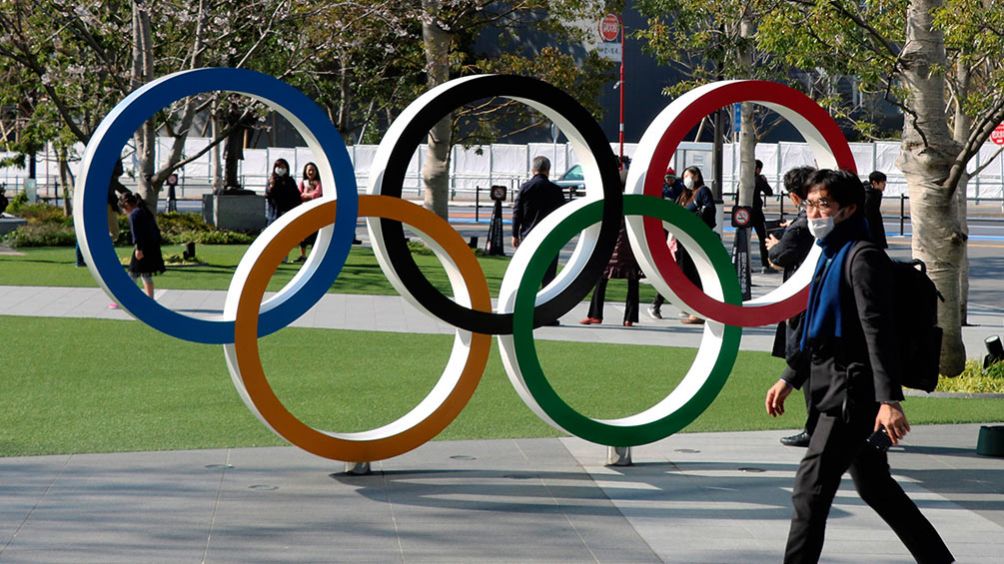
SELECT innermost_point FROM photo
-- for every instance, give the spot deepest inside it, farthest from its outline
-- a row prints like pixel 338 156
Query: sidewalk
pixel 694 497
pixel 394 314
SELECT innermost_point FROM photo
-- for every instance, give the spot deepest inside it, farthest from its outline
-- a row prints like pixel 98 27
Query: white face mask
pixel 688 182
pixel 281 171
pixel 821 227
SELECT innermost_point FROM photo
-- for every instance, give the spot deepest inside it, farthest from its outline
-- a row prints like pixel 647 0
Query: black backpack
pixel 916 311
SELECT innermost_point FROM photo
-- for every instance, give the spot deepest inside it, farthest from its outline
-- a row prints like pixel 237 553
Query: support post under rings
pixel 358 468
pixel 619 456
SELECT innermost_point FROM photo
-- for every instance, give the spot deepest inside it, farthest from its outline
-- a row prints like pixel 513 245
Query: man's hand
pixel 771 241
pixel 891 416
pixel 515 241
pixel 784 223
pixel 776 396
pixel 139 254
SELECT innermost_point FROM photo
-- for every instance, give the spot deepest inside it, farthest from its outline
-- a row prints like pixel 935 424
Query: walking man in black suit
pixel 849 349
pixel 536 199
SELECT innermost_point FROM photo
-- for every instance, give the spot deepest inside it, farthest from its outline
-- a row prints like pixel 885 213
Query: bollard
pixel 619 456
pixel 358 468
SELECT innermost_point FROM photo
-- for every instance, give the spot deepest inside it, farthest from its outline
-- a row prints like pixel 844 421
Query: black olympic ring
pixel 440 102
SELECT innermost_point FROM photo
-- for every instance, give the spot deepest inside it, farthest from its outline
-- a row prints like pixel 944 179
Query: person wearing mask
pixel 873 207
pixel 788 253
pixel 536 199
pixel 281 193
pixel 696 198
pixel 851 370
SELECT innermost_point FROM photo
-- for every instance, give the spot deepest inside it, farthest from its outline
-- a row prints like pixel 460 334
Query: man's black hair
pixel 876 176
pixel 843 187
pixel 795 180
pixel 759 164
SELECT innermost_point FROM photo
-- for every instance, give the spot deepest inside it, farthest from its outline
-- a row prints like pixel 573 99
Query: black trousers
pixel 630 305
pixel 758 225
pixel 838 446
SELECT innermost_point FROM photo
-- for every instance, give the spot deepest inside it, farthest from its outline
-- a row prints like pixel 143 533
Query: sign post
pixel 611 27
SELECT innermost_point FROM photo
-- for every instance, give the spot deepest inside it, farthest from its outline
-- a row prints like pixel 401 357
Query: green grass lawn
pixel 102 386
pixel 55 266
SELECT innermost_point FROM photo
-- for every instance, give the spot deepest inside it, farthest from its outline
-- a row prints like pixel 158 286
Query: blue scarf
pixel 824 316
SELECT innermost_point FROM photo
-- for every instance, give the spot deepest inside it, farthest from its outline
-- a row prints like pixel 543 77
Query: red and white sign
pixel 610 27
pixel 997 136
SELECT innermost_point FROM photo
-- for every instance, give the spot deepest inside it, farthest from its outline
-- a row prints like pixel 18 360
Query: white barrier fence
pixel 508 165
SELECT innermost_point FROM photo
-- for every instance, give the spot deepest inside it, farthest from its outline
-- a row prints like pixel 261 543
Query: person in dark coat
pixel 281 193
pixel 622 265
pixel 852 372
pixel 873 208
pixel 788 253
pixel 698 199
pixel 757 221
pixel 536 199
pixel 146 259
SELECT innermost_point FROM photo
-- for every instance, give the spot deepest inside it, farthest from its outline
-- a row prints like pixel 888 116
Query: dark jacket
pixel 873 213
pixel 282 194
pixel 536 199
pixel 703 204
pixel 788 253
pixel 146 238
pixel 862 367
pixel 622 263
pixel 761 189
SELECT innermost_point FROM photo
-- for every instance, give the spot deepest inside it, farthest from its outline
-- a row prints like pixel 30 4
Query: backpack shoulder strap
pixel 856 248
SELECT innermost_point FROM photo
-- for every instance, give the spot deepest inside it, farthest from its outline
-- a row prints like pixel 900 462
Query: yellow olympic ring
pixel 446 400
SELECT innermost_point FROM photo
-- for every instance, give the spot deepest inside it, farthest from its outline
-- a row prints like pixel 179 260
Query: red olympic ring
pixel 807 116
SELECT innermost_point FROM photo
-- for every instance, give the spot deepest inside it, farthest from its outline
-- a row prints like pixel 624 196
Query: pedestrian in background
pixel 873 207
pixel 850 353
pixel 310 189
pixel 537 198
pixel 146 259
pixel 758 221
pixel 622 265
pixel 788 253
pixel 698 199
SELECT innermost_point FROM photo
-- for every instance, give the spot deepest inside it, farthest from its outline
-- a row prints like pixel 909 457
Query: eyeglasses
pixel 822 204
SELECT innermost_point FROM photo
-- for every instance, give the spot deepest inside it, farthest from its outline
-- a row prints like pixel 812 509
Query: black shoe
pixel 799 440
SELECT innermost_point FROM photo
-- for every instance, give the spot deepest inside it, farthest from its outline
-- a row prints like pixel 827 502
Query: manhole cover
pixel 687 450
pixel 463 457
pixel 751 469
pixel 219 466
pixel 263 487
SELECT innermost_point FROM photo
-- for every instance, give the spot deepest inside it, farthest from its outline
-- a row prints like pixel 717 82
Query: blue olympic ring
pixel 335 167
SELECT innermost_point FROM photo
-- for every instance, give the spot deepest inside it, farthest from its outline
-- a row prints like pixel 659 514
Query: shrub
pixel 51 234
pixel 41 213
pixel 17 202
pixel 974 381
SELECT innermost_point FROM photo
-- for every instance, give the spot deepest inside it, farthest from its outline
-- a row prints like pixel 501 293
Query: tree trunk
pixel 926 158
pixel 436 168
pixel 747 132
pixel 142 72
pixel 962 129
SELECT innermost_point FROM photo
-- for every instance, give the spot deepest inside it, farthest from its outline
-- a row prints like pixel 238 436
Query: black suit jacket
pixel 861 367
pixel 788 253
pixel 536 199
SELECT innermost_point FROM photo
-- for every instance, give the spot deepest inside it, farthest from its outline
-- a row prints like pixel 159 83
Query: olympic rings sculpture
pixel 520 307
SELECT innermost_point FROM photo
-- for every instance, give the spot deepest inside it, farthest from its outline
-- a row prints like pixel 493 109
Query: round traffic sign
pixel 610 27
pixel 997 136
